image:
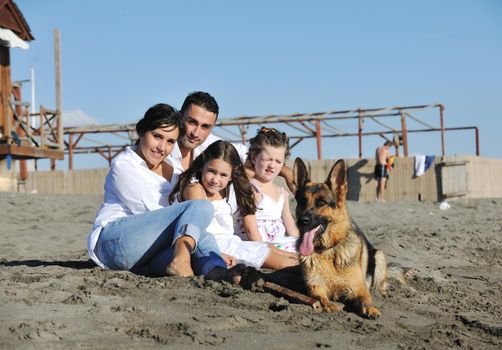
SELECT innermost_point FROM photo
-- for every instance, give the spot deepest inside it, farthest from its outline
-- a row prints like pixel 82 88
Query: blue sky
pixel 274 57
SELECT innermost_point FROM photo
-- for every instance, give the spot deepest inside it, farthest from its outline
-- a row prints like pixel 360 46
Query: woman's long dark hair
pixel 226 151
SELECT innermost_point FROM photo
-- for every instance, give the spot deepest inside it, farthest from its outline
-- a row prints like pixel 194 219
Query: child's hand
pixel 229 260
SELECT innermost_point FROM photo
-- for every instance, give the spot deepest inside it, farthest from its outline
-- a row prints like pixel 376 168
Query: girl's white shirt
pixel 130 188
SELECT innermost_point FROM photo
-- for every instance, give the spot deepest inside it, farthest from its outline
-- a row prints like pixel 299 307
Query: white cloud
pixel 78 118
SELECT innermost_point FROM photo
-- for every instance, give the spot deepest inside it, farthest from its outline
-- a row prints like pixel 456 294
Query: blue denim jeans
pixel 144 243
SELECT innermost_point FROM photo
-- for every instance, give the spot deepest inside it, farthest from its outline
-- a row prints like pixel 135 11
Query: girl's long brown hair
pixel 226 151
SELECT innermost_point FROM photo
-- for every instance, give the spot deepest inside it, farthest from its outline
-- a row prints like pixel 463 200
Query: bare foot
pixel 179 267
pixel 233 275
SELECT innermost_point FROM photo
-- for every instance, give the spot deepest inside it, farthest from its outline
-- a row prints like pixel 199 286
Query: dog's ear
pixel 300 174
pixel 337 181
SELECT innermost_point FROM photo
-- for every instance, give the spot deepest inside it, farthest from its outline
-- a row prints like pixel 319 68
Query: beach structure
pixel 299 127
pixel 449 177
pixel 23 135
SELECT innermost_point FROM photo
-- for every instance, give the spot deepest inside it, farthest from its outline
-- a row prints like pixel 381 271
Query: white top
pixel 269 221
pixel 175 157
pixel 222 228
pixel 130 188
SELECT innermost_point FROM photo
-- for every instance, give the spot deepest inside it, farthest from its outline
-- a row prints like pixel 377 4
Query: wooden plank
pixel 27 152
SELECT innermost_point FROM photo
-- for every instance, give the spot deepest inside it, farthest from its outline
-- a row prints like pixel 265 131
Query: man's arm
pixel 286 173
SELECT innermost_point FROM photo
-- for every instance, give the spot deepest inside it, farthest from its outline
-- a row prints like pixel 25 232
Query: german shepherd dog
pixel 338 262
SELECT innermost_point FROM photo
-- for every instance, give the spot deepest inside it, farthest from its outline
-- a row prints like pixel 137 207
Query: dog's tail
pixel 400 273
pixel 384 272
pixel 380 273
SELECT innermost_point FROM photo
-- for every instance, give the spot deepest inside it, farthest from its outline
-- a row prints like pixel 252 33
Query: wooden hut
pixel 19 138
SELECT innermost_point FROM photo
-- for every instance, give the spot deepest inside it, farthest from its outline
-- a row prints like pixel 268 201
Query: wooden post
pixel 477 140
pixel 57 60
pixel 5 90
pixel 23 166
pixel 42 127
pixel 318 139
pixel 109 158
pixel 70 152
pixel 404 132
pixel 441 120
pixel 243 129
pixel 360 134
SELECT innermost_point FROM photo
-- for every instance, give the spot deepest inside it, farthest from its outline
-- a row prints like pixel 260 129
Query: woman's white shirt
pixel 130 188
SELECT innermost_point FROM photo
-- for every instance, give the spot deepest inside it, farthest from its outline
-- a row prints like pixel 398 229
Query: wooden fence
pixel 469 177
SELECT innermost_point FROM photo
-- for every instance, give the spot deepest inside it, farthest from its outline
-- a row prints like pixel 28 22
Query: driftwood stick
pixel 292 295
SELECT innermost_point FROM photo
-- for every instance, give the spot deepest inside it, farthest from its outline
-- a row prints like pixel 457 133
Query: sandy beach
pixel 53 297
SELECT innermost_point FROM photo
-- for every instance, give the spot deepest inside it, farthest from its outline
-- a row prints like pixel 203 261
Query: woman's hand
pixel 229 260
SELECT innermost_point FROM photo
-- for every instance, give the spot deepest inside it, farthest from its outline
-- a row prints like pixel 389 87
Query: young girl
pixel 267 152
pixel 209 177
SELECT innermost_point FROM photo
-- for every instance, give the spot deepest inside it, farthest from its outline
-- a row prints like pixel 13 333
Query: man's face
pixel 198 123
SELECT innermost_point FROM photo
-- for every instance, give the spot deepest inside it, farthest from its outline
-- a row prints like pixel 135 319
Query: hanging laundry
pixel 422 163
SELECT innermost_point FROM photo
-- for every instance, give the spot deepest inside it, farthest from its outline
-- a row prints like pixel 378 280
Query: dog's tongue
pixel 307 246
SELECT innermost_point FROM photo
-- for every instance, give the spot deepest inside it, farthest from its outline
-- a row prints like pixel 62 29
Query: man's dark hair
pixel 201 99
pixel 388 143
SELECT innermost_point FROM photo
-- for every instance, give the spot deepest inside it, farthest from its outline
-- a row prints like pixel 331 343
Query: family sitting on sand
pixel 170 200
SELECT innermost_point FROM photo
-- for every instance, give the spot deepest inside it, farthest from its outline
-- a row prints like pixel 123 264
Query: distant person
pixel 135 228
pixel 382 169
pixel 199 114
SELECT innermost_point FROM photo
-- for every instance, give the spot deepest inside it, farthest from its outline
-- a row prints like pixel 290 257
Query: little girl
pixel 209 177
pixel 267 153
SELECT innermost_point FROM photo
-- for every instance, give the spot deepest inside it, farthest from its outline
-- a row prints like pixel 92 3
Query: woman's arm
pixel 287 218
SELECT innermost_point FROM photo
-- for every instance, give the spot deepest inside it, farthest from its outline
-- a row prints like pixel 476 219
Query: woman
pixel 136 229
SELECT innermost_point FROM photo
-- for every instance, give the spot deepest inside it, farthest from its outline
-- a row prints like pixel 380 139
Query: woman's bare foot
pixel 181 265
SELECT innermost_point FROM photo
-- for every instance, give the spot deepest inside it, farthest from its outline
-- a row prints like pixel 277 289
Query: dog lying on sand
pixel 338 262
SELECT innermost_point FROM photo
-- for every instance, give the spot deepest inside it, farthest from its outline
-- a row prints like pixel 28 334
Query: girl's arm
pixel 287 218
pixel 249 222
pixel 193 191
pixel 251 228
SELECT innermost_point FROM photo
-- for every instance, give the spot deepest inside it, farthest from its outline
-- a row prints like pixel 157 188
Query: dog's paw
pixel 409 273
pixel 370 311
pixel 332 307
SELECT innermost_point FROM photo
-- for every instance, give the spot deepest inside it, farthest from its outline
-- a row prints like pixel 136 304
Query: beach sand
pixel 53 297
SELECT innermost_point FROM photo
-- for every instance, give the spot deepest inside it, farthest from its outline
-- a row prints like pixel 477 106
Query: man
pixel 382 156
pixel 199 114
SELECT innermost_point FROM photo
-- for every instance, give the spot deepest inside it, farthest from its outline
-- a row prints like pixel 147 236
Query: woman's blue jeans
pixel 144 243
